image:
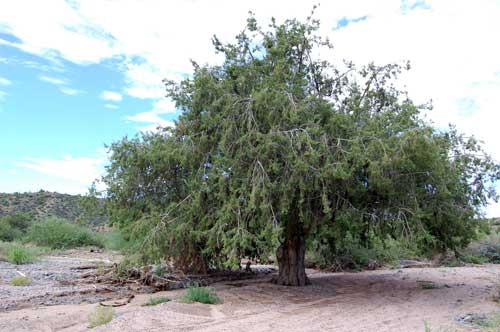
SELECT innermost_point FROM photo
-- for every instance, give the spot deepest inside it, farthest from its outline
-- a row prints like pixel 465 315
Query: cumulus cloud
pixel 4 81
pixel 111 96
pixel 81 170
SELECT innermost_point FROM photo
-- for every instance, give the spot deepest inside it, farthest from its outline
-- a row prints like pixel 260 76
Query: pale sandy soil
pixel 383 300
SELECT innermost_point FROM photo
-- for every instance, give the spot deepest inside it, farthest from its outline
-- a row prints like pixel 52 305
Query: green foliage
pixel 18 254
pixel 14 226
pixel 489 322
pixel 206 295
pixel 43 204
pixel 92 207
pixel 59 233
pixel 127 266
pixel 102 315
pixel 353 253
pixel 115 240
pixel 275 145
pixel 157 300
pixel 20 281
pixel 428 285
pixel 484 249
pixel 474 259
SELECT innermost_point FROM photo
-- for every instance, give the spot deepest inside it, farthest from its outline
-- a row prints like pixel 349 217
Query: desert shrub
pixel 428 285
pixel 14 226
pixel 20 281
pixel 206 295
pixel 128 267
pixel 59 233
pixel 18 254
pixel 353 253
pixel 7 233
pixel 18 221
pixel 100 316
pixel 114 240
pixel 474 259
pixel 485 249
pixel 157 300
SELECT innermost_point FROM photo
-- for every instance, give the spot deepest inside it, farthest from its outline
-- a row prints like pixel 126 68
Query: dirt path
pixel 384 300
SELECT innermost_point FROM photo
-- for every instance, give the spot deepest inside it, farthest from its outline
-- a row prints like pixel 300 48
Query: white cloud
pixel 4 81
pixel 53 80
pixel 111 106
pixel 163 106
pixel 70 91
pixel 62 83
pixel 111 96
pixel 13 171
pixel 152 119
pixel 2 94
pixel 82 170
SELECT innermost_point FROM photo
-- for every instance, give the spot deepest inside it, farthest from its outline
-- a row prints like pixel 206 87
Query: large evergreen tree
pixel 275 147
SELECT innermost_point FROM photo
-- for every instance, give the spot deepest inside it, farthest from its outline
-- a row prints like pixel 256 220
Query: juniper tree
pixel 275 146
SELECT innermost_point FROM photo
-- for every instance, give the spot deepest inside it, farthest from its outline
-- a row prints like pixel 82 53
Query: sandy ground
pixel 383 300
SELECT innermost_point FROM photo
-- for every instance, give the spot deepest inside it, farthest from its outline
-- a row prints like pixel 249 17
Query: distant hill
pixel 44 204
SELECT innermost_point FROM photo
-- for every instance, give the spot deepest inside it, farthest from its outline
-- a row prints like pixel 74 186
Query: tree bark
pixel 290 255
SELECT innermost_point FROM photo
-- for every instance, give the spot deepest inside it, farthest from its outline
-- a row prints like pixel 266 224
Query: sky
pixel 77 75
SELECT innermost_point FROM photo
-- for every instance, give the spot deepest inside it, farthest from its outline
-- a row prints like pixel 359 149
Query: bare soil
pixel 382 300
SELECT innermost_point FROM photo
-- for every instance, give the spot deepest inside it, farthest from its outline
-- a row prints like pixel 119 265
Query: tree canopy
pixel 276 150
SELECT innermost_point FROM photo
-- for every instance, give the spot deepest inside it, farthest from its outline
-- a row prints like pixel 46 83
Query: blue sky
pixel 76 75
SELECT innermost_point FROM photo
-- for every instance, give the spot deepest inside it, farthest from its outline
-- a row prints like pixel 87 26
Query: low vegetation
pixel 196 293
pixel 18 254
pixel 58 233
pixel 157 300
pixel 429 285
pixel 13 227
pixel 100 316
pixel 20 281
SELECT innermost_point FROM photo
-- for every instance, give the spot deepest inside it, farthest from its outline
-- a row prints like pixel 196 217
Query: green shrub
pixel 474 259
pixel 101 315
pixel 428 285
pixel 206 295
pixel 114 240
pixel 486 249
pixel 59 233
pixel 14 226
pixel 7 233
pixel 20 281
pixel 157 300
pixel 352 253
pixel 19 255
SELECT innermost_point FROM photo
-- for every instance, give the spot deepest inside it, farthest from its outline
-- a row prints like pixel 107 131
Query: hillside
pixel 43 204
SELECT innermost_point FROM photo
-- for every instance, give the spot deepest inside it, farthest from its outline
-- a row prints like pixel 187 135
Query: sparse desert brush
pixel 100 316
pixel 157 300
pixel 20 281
pixel 206 295
pixel 429 285
pixel 19 255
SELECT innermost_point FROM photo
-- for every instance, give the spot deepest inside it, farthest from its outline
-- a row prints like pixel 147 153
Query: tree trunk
pixel 290 255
